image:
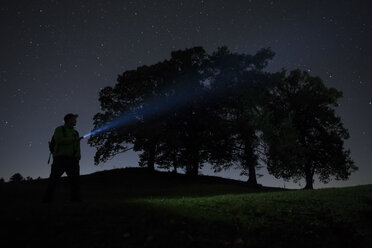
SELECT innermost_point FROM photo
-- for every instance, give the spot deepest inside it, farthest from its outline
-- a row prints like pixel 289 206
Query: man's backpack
pixel 52 143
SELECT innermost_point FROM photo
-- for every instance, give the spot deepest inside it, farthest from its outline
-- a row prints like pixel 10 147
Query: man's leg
pixel 56 172
pixel 73 172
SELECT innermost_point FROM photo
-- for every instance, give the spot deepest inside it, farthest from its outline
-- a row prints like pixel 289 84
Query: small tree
pixel 2 181
pixel 304 136
pixel 16 178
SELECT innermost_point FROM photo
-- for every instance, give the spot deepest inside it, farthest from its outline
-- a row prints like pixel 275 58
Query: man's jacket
pixel 67 142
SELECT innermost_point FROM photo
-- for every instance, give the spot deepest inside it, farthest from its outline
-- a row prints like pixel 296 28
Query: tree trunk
pixel 309 178
pixel 252 179
pixel 195 169
pixel 250 162
pixel 192 170
pixel 175 163
pixel 151 160
pixel 151 165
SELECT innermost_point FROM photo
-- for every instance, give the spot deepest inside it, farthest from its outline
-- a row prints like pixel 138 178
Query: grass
pixel 330 217
pixel 134 208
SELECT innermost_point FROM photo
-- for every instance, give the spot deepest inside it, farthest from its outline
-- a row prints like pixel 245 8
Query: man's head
pixel 70 120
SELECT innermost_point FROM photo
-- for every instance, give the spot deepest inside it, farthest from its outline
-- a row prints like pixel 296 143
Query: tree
pixel 2 181
pixel 304 136
pixel 125 103
pixel 16 178
pixel 186 111
pixel 142 100
pixel 243 83
pixel 183 130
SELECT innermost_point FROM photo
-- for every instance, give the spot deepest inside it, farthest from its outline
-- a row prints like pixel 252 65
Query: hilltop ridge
pixel 142 182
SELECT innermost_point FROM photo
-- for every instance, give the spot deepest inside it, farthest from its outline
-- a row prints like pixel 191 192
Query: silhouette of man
pixel 66 156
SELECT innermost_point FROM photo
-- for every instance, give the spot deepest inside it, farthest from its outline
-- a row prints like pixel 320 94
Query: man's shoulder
pixel 59 128
pixel 62 128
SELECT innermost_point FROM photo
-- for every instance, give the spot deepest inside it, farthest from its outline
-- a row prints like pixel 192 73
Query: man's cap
pixel 69 116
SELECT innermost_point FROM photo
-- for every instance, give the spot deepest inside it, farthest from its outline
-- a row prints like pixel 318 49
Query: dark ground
pixel 136 208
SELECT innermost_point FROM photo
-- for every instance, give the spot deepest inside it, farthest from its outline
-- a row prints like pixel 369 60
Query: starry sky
pixel 57 55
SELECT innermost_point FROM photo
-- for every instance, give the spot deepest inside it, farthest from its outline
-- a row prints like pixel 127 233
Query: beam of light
pixel 151 108
pixel 115 123
pixel 169 100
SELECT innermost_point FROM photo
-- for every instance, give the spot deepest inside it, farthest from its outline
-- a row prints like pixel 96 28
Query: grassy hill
pixel 135 208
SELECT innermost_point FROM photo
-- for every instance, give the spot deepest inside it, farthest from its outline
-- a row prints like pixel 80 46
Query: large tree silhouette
pixel 156 97
pixel 243 82
pixel 303 134
pixel 189 110
pixel 220 109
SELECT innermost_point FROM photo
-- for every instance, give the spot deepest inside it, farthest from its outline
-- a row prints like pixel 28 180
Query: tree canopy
pixel 225 110
pixel 303 134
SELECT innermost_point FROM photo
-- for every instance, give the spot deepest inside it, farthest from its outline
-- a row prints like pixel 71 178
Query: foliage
pixel 303 134
pixel 242 81
pixel 16 178
pixel 146 93
pixel 223 109
pixel 201 108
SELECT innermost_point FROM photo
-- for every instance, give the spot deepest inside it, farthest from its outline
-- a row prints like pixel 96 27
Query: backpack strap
pixel 64 131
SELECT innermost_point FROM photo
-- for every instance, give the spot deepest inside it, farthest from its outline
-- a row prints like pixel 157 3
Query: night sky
pixel 57 55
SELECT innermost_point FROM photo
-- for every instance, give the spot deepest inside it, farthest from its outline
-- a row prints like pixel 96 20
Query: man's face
pixel 71 122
